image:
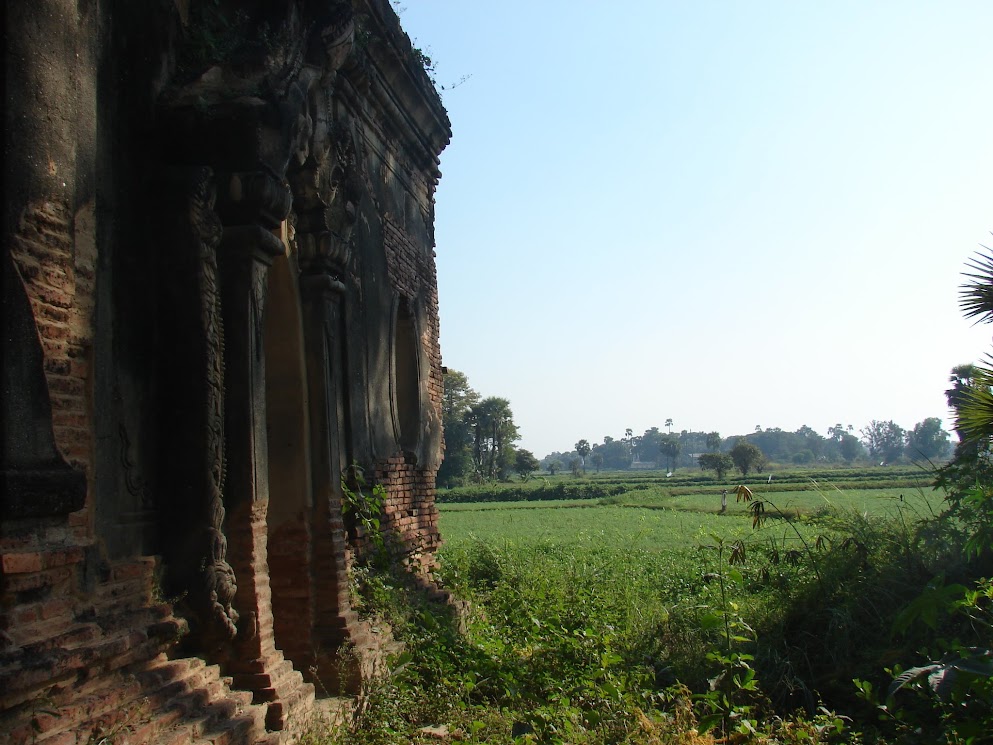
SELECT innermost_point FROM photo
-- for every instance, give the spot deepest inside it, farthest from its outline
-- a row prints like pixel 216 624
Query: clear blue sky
pixel 727 213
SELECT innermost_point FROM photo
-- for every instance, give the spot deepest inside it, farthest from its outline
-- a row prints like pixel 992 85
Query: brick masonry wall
pixel 412 272
pixel 289 579
pixel 410 510
pixel 55 256
pixel 410 513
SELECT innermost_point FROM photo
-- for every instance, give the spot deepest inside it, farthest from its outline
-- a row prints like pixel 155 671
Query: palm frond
pixel 974 414
pixel 976 295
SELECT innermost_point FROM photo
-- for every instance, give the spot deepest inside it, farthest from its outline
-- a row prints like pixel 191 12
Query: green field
pixel 645 519
pixel 627 608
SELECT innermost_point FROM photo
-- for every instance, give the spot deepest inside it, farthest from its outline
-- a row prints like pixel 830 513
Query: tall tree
pixel 493 436
pixel 582 450
pixel 616 453
pixel 927 440
pixel 884 440
pixel 525 463
pixel 719 463
pixel 669 448
pixel 811 441
pixel 458 399
pixel 596 458
pixel 850 447
pixel 714 441
pixel 668 425
pixel 964 380
pixel 746 456
pixel 648 444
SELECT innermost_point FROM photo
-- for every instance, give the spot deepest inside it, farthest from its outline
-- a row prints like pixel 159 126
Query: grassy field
pixel 653 519
pixel 645 615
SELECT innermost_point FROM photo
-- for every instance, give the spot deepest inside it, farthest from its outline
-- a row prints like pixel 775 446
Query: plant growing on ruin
pixel 363 504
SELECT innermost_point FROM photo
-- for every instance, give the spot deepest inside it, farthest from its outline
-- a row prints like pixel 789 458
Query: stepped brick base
pixel 73 672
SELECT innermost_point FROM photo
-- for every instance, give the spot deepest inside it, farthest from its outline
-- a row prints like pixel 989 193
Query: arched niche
pixel 287 432
pixel 406 377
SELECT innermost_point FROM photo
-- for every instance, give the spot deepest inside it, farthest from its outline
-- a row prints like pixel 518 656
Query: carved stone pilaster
pixel 246 252
pixel 219 577
pixel 191 482
pixel 335 623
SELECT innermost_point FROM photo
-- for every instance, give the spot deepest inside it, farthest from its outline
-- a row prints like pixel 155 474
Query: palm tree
pixel 668 425
pixel 972 392
pixel 582 450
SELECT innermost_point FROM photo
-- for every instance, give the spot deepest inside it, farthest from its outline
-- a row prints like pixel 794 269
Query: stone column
pixel 251 205
pixel 323 294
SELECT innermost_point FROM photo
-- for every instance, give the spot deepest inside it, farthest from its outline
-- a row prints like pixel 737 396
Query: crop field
pixel 653 519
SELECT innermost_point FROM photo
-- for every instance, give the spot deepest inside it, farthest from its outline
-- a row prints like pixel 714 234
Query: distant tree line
pixel 481 442
pixel 883 442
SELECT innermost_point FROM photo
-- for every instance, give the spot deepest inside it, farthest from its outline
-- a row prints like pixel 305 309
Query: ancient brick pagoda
pixel 219 294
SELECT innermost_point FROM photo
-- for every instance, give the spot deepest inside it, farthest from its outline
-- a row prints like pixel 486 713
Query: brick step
pixel 208 713
pixel 113 618
pixel 57 633
pixel 78 700
pixel 297 705
pixel 247 726
pixel 115 700
pixel 130 593
pixel 64 655
pixel 278 673
pixel 172 702
pixel 54 717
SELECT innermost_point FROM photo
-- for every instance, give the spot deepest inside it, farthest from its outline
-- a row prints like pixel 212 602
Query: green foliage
pixel 532 492
pixel 976 298
pixel 217 35
pixel 459 398
pixel 746 457
pixel 927 440
pixel 362 506
pixel 885 440
pixel 613 624
pixel 949 697
pixel 614 453
pixel 719 463
pixel 669 448
pixel 493 436
pixel 525 463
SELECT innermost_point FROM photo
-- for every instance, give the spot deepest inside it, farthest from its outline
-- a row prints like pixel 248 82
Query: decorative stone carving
pixel 218 576
pixel 252 197
pixel 326 198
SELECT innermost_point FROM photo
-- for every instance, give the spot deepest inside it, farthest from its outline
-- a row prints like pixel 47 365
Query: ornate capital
pixel 253 197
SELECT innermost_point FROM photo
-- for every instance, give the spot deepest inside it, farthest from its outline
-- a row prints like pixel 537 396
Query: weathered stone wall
pixel 173 553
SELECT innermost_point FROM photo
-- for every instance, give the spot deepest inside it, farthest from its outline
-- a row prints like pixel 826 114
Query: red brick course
pixel 57 271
